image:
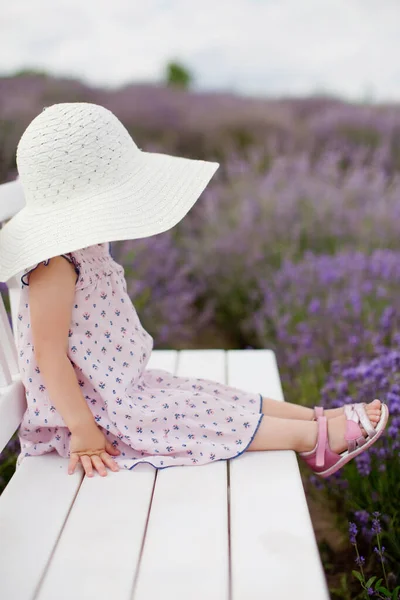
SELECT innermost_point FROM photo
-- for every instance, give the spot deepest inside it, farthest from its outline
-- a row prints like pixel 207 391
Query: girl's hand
pixel 90 446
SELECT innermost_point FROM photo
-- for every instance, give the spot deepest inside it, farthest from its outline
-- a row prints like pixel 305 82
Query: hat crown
pixel 71 151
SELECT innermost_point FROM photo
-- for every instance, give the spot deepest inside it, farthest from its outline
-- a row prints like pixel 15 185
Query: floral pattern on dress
pixel 151 415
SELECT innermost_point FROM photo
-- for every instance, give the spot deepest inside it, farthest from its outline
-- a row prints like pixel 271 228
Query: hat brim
pixel 154 199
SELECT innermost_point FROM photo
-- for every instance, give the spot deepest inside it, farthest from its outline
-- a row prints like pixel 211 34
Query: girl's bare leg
pixel 284 434
pixel 287 410
pixel 300 435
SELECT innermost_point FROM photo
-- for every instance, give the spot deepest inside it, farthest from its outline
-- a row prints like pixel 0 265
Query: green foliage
pixel 29 72
pixel 177 75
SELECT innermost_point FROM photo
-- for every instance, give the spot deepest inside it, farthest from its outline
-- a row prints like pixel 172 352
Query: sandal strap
pixel 353 444
pixel 365 422
pixel 350 435
pixel 322 441
pixel 318 412
pixel 349 411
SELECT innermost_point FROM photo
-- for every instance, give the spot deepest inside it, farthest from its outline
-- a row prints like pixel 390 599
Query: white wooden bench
pixel 231 530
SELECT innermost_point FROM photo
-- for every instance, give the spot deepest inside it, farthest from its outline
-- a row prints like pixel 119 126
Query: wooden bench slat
pixel 274 553
pixel 98 552
pixel 8 357
pixel 5 373
pixel 254 371
pixel 12 392
pixel 14 295
pixel 12 408
pixel 163 359
pixel 206 364
pixel 273 546
pixel 186 549
pixel 33 509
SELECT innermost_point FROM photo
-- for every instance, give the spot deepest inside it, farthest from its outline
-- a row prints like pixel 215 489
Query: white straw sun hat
pixel 86 182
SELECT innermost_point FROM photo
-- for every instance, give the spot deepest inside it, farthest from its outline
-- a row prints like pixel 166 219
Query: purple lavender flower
pixel 362 516
pixel 352 532
pixel 360 561
pixel 380 552
pixel 376 526
pixel 363 462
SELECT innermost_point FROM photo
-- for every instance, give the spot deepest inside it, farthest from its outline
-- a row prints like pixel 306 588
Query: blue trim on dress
pixel 46 263
pixel 146 462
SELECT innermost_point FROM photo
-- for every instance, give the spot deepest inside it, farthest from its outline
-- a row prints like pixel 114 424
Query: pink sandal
pixel 323 461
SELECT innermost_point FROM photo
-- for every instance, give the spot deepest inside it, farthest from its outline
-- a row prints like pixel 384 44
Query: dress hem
pixel 146 462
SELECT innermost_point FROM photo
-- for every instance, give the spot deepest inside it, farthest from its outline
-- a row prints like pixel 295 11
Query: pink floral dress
pixel 151 415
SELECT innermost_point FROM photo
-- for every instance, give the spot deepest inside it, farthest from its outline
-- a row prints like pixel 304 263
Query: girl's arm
pixel 51 298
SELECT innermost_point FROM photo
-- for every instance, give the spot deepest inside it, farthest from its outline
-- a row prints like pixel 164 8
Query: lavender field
pixel 295 246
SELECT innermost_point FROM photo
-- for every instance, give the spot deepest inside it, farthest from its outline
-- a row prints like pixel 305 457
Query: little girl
pixel 82 349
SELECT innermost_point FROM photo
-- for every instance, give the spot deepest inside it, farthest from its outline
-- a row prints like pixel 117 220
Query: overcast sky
pixel 272 47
